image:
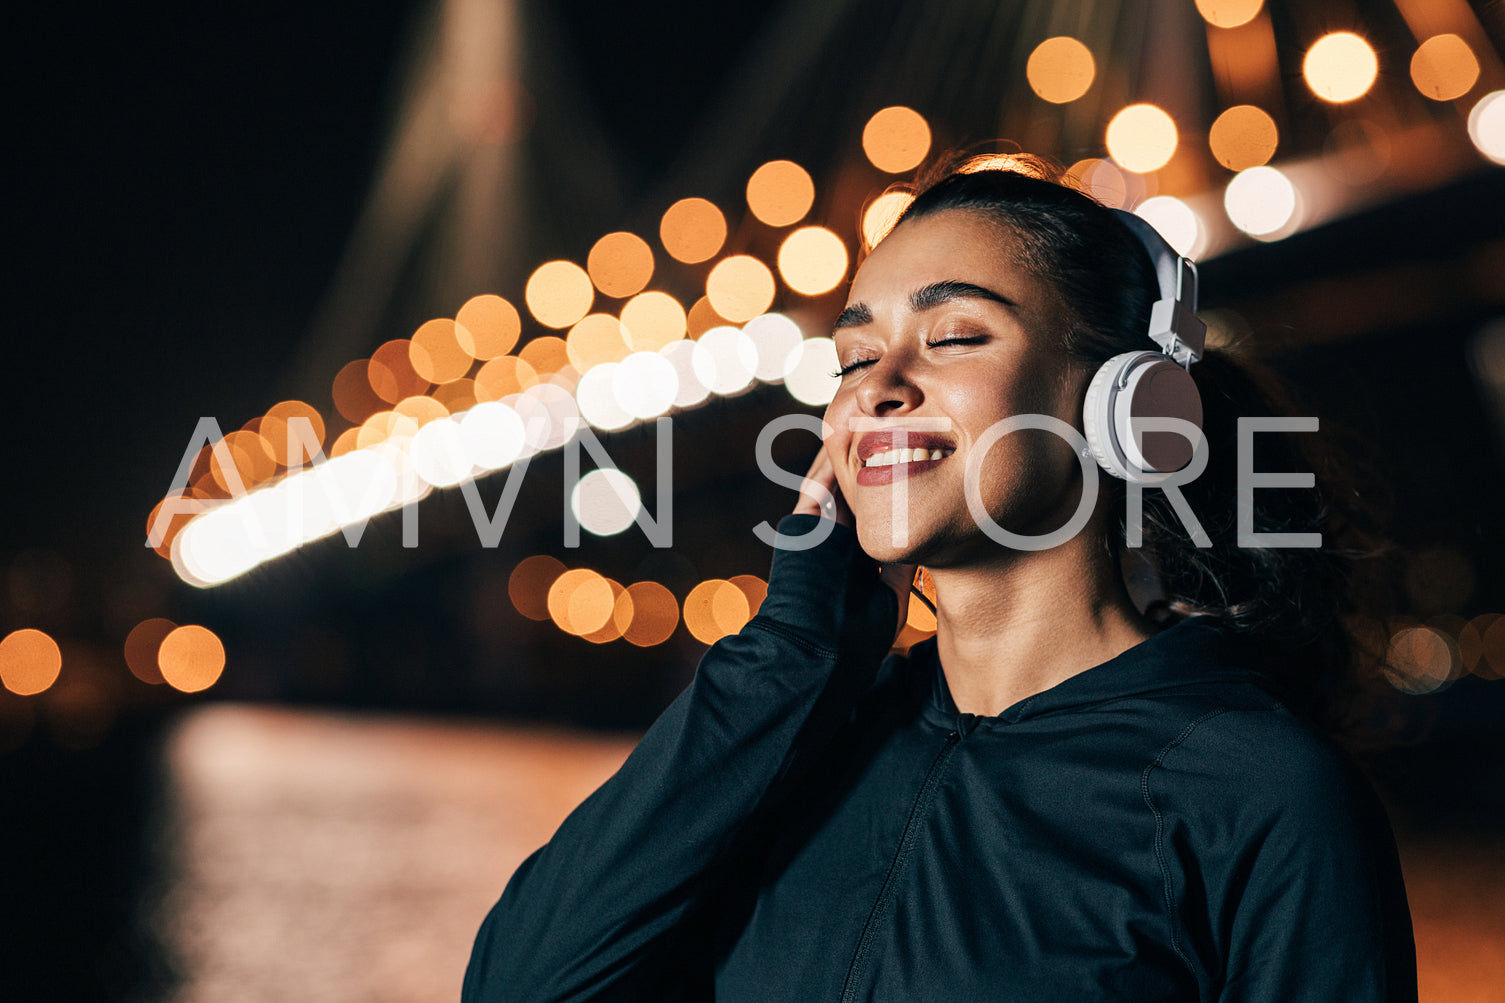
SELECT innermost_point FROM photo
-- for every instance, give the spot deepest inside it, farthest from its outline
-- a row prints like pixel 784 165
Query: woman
pixel 1059 797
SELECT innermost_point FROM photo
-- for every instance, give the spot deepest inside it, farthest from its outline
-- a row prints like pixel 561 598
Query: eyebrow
pixel 925 298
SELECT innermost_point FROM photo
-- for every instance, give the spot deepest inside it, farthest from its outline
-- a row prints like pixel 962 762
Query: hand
pixel 821 495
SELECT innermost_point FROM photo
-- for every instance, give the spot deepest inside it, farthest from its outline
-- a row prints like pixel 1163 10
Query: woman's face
pixel 945 335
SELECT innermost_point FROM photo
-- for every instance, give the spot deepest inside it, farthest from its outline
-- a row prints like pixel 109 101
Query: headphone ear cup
pixel 1098 414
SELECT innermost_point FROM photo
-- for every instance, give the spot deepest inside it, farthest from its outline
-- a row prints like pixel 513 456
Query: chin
pixel 876 539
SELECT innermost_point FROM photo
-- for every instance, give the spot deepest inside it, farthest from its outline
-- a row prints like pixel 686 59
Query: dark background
pixel 183 180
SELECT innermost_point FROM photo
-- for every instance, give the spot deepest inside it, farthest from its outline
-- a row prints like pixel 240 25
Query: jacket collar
pixel 1191 651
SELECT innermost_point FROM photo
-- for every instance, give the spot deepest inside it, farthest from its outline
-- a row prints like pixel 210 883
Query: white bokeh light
pixel 811 381
pixel 725 360
pixel 439 455
pixel 1176 221
pixel 1260 201
pixel 777 339
pixel 605 501
pixel 644 384
pixel 681 355
pixel 493 435
pixel 1486 126
pixel 598 404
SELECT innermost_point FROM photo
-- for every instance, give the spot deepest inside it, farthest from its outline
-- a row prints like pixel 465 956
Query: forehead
pixel 948 245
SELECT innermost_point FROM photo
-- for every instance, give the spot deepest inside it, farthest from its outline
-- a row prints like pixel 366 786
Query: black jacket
pixel 804 823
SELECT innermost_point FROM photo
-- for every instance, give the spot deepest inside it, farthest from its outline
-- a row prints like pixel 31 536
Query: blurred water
pixel 327 858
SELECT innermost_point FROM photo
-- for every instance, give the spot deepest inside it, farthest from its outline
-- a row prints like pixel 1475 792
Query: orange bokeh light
pixel 702 317
pixel 491 323
pixel 1243 137
pixel 528 585
pixel 780 193
pixel 391 374
pixel 251 456
pixel 882 214
pixel 655 614
pixel 812 260
pixel 1141 138
pixel 547 355
pixel 385 425
pixel 597 339
pixel 692 230
pixel 422 409
pixel 142 645
pixel 714 609
pixel 740 288
pixel 275 425
pixel 185 505
pixel 347 441
pixel 191 658
pixel 1060 69
pixel 580 601
pixel 754 589
pixel 1228 13
pixel 1444 68
pixel 441 351
pixel 503 376
pixel 896 139
pixel 620 264
pixel 652 320
pixel 457 395
pixel 30 661
pixel 559 293
pixel 353 397
pixel 617 616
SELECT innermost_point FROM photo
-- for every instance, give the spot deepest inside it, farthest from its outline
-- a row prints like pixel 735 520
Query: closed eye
pixel 974 339
pixel 852 367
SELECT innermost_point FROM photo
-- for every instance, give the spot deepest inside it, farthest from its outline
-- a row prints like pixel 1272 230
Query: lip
pixel 881 442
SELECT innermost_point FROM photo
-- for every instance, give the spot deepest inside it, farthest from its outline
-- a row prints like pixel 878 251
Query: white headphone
pixel 1139 385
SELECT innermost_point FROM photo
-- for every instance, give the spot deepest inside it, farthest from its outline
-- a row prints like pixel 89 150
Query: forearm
pixel 583 914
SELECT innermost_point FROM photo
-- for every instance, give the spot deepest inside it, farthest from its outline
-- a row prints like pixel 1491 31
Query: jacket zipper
pixel 906 844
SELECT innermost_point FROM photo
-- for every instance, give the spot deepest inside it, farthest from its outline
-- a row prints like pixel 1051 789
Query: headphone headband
pixel 1174 324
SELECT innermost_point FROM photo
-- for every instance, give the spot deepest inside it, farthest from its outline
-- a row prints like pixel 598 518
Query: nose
pixel 888 388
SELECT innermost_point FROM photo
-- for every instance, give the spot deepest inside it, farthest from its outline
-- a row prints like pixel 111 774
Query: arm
pixel 590 912
pixel 1304 896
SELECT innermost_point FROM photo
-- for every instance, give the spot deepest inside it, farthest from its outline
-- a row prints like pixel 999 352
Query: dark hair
pixel 1292 602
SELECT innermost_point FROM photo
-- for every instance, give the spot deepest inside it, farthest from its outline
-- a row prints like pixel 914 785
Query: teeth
pixel 892 456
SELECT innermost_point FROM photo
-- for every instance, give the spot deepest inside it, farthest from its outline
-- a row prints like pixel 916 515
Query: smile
pixel 893 456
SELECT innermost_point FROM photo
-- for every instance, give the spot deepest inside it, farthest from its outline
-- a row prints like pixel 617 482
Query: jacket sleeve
pixel 590 913
pixel 1297 860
